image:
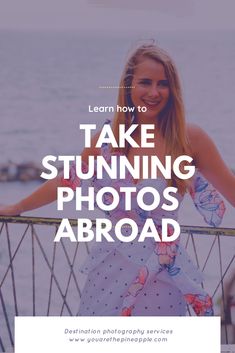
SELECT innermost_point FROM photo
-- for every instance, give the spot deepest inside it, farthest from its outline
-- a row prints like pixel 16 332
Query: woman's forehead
pixel 149 66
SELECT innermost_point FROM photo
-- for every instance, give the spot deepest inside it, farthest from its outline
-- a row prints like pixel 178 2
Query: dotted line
pixel 116 86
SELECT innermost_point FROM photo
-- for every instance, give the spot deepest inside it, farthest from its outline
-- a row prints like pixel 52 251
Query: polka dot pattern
pixel 106 286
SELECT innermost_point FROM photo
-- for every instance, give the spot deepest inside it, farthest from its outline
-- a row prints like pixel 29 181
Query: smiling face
pixel 151 88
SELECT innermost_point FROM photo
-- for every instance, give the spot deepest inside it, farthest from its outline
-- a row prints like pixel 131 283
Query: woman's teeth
pixel 151 103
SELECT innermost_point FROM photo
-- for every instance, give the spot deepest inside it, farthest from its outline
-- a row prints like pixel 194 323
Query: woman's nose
pixel 154 91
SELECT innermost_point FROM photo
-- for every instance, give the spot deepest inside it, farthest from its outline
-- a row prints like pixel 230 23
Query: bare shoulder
pixel 198 138
pixel 194 132
pixel 93 150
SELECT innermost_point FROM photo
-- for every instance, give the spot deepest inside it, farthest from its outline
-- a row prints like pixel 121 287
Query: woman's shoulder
pixel 197 137
pixel 204 150
pixel 194 131
pixel 92 150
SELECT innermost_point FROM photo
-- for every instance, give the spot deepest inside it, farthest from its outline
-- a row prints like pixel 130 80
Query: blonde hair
pixel 171 121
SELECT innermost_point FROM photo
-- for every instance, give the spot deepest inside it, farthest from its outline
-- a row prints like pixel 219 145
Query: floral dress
pixel 145 278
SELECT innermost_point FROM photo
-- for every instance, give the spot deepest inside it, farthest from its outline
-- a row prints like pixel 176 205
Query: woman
pixel 148 278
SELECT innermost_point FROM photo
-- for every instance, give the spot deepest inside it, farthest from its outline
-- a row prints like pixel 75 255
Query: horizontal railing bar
pixel 201 230
pixel 35 220
pixel 208 230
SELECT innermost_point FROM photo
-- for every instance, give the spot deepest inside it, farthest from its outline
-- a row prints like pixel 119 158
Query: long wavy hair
pixel 171 120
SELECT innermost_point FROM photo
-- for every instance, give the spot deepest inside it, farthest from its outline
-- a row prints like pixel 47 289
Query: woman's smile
pixel 151 103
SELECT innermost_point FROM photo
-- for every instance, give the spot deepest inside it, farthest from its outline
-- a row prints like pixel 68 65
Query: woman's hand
pixel 10 210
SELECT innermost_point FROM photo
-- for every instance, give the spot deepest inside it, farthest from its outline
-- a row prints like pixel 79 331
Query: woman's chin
pixel 146 117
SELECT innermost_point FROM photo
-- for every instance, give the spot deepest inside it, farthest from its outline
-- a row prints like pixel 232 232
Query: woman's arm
pixel 44 195
pixel 210 163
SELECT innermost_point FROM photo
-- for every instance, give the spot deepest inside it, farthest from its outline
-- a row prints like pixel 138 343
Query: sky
pixel 117 15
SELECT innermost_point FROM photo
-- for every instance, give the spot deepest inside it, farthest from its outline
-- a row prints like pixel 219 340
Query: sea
pixel 49 79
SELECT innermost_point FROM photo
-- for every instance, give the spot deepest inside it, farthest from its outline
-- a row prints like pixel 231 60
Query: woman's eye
pixel 163 83
pixel 145 82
